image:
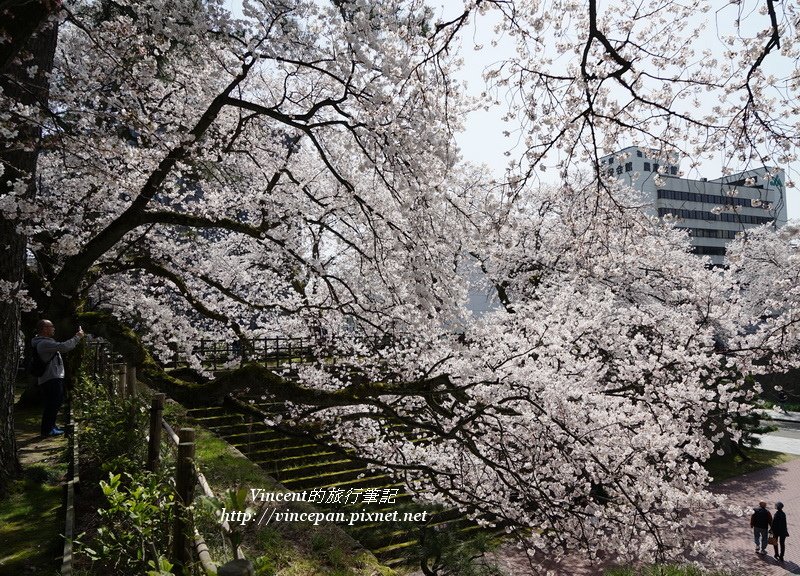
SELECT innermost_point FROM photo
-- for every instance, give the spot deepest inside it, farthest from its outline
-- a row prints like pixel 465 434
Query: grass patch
pixel 732 465
pixel 30 524
pixel 30 517
pixel 291 549
pixel 789 406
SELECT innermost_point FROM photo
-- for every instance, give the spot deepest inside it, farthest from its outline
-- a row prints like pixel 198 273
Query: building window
pixel 709 250
pixel 673 170
pixel 709 233
pixel 619 169
pixel 724 217
pixel 655 167
pixel 709 198
pixel 628 166
pixel 639 153
pixel 647 166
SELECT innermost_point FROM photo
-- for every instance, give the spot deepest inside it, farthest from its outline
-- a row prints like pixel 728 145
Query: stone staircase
pixel 302 460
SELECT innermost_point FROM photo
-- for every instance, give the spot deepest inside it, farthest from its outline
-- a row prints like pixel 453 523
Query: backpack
pixel 35 365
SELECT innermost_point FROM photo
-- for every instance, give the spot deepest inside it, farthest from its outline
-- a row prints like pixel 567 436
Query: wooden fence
pixel 274 351
pixel 99 357
pixel 187 540
pixel 187 477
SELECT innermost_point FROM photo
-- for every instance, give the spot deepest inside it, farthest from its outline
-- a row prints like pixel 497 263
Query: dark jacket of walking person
pixel 782 401
pixel 760 522
pixel 52 381
pixel 780 530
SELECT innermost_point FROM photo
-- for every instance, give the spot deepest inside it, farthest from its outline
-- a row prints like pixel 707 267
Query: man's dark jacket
pixel 761 518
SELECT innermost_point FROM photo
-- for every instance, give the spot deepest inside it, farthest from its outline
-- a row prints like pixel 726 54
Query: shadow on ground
pixel 31 518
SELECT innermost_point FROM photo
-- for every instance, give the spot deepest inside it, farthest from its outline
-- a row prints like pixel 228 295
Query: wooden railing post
pixel 130 380
pixel 154 445
pixel 121 380
pixel 184 486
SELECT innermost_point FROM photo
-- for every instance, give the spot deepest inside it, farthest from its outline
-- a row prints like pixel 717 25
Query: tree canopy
pixel 293 170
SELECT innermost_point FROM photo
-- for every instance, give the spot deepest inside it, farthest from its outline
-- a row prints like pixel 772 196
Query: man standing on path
pixel 52 381
pixel 760 522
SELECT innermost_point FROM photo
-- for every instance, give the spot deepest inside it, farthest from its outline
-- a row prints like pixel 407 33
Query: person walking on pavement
pixel 52 381
pixel 779 530
pixel 782 401
pixel 760 521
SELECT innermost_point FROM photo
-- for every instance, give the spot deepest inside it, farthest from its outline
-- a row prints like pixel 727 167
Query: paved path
pixel 786 438
pixel 780 483
pixel 777 414
pixel 732 533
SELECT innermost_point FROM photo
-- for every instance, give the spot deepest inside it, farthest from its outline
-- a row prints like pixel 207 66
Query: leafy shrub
pixel 162 567
pixel 112 430
pixel 209 511
pixel 135 524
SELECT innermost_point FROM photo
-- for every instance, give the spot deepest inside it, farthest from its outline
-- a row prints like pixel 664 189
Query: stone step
pixel 308 470
pixel 270 463
pixel 323 477
pixel 278 452
pixel 364 482
pixel 207 411
pixel 301 461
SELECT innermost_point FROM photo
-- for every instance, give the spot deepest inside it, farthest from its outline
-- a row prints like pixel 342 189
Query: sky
pixel 483 141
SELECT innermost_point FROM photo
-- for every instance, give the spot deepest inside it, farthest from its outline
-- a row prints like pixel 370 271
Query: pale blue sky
pixel 483 140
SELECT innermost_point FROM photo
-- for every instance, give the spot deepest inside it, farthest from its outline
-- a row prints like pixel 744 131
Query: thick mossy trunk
pixel 9 356
pixel 23 78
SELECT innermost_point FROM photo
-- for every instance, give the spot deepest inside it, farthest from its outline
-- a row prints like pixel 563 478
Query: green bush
pixel 134 534
pixel 112 430
pixel 209 510
pixel 135 525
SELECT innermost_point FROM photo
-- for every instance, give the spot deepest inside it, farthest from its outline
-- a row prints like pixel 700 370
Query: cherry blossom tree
pixel 579 411
pixel 579 80
pixel 764 271
pixel 26 58
pixel 179 141
pixel 277 139
pixel 294 171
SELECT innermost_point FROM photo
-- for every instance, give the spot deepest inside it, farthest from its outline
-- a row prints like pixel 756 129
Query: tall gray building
pixel 713 211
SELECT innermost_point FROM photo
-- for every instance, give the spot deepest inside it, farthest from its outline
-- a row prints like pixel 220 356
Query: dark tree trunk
pixel 9 355
pixel 19 21
pixel 18 157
